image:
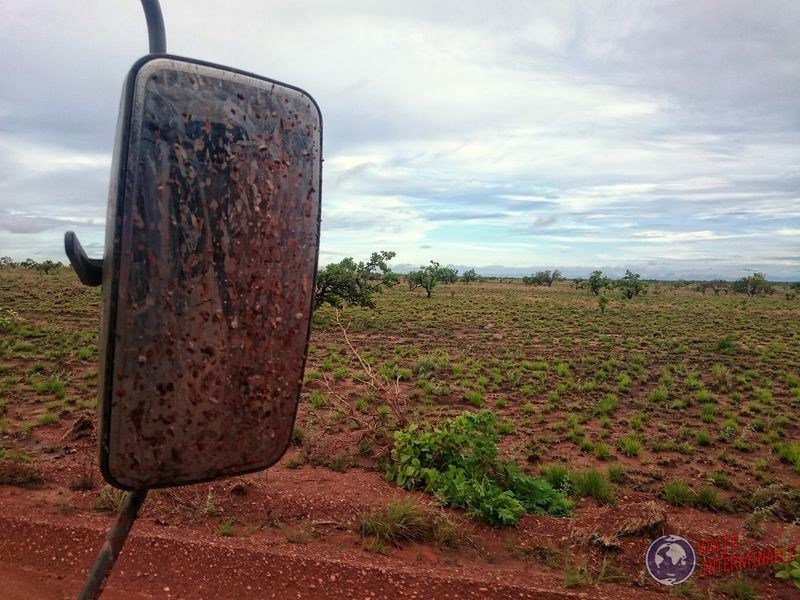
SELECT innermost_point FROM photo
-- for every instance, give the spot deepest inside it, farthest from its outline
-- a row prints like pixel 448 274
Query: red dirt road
pixel 40 560
pixel 49 537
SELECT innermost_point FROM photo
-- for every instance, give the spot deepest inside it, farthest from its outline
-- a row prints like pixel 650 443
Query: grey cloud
pixel 31 223
pixel 463 216
pixel 545 221
pixel 15 224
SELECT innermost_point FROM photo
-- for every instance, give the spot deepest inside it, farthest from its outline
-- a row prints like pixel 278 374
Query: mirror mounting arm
pixel 89 270
pixel 155 26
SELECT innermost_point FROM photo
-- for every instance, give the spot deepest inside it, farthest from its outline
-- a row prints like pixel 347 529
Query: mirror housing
pixel 212 241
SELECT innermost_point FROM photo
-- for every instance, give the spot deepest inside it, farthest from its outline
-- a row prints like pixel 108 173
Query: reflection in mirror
pixel 214 234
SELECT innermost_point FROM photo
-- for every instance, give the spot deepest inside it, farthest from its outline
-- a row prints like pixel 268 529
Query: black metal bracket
pixel 89 270
pixel 155 26
pixel 112 546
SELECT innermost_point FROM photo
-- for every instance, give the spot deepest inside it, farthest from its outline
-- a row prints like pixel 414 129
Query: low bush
pixel 458 461
pixel 678 493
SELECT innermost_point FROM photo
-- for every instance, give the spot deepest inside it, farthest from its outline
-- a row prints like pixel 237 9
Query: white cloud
pixel 457 125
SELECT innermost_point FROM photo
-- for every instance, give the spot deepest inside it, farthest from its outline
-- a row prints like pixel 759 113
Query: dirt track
pixel 40 560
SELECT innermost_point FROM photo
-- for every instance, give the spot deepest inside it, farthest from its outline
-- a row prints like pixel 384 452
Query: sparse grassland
pixel 695 384
pixel 690 398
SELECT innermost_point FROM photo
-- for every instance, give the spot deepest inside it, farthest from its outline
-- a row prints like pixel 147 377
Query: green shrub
pixel 708 498
pixel 602 451
pixel 704 396
pixel 397 523
pixel 660 394
pixel 505 427
pixel 616 473
pixel 702 437
pixel 458 461
pixel 607 405
pixel 708 413
pixel 10 321
pixel 317 399
pixel 48 418
pixel 789 571
pixel 788 453
pixel 630 445
pixel 624 383
pixel 720 479
pixel 557 475
pixel 474 397
pixel 678 493
pixel 593 484
pixel 726 345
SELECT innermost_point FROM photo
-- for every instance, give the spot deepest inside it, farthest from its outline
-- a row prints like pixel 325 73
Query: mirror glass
pixel 208 281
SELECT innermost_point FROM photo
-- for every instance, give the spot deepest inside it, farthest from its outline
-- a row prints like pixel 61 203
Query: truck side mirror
pixel 212 242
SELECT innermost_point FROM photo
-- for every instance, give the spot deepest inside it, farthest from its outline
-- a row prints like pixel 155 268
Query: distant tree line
pixel 45 266
pixel 354 283
pixel 632 285
pixel 543 278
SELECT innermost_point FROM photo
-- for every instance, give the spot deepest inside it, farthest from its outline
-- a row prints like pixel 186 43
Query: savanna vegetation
pixel 497 397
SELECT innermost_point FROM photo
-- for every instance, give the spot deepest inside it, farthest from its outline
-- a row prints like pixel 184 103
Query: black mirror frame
pixel 111 263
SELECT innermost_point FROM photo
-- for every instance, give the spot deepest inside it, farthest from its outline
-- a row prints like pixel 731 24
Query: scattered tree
pixel 542 278
pixel 428 277
pixel 469 276
pixel 448 275
pixel 753 285
pixel 631 285
pixel 717 286
pixel 597 281
pixel 348 282
pixel 46 266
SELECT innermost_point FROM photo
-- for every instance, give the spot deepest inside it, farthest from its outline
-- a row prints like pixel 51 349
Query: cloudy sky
pixel 661 136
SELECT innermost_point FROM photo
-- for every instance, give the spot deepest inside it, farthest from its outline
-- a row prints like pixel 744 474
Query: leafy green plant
pixel 789 571
pixel 458 461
